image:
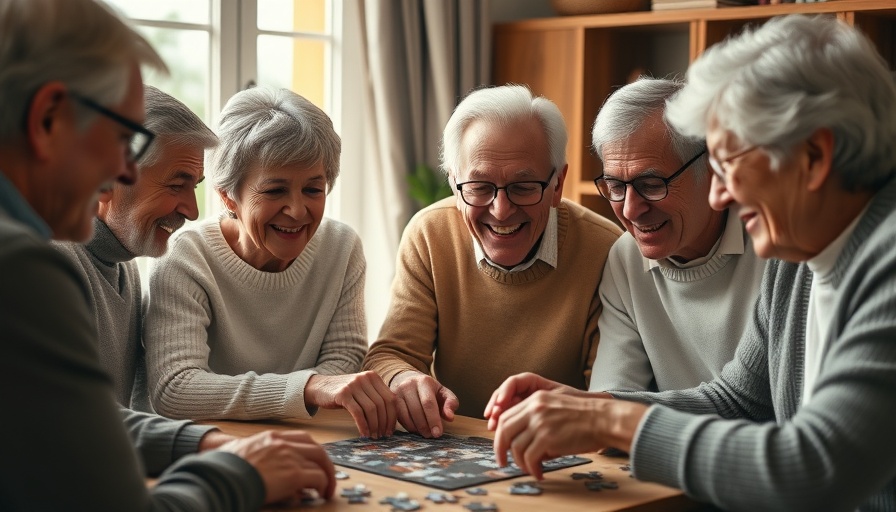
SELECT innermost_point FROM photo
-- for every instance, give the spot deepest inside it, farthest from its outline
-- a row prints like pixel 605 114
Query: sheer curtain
pixel 418 59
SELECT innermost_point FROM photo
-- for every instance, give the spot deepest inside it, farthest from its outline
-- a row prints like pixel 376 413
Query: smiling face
pixel 682 226
pixel 501 155
pixel 143 216
pixel 772 204
pixel 277 210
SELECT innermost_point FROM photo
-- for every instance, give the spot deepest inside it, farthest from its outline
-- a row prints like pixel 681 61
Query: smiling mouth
pixel 504 230
pixel 651 228
pixel 286 230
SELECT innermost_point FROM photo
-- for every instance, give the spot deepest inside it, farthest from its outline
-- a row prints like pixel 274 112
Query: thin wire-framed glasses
pixel 520 193
pixel 141 137
pixel 651 188
pixel 717 166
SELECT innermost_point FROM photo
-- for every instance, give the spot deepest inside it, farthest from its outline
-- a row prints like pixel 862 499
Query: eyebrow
pixel 183 175
pixel 526 174
pixel 650 172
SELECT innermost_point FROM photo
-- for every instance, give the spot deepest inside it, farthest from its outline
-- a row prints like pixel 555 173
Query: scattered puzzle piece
pixel 477 506
pixel 341 475
pixel 529 488
pixel 477 491
pixel 591 475
pixel 441 497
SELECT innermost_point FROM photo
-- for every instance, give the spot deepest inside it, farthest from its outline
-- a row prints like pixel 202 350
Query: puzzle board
pixel 448 462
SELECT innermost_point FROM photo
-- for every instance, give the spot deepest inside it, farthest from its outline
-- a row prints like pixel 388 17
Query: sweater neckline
pixel 106 247
pixel 250 276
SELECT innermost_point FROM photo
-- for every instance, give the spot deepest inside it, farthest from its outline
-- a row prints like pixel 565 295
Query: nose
pixel 295 206
pixel 128 174
pixel 633 205
pixel 188 206
pixel 719 196
pixel 501 207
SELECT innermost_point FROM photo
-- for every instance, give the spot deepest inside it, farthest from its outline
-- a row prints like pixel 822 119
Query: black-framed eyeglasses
pixel 520 193
pixel 651 188
pixel 141 137
pixel 717 165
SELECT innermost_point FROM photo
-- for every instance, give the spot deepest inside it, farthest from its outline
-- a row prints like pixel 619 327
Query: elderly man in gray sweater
pixel 799 118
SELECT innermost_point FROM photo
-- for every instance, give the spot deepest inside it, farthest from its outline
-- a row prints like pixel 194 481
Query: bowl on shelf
pixel 574 7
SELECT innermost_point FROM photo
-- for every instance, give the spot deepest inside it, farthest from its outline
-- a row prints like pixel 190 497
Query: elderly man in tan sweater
pixel 499 279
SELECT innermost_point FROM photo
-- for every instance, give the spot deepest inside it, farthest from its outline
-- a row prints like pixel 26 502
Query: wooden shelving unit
pixel 577 61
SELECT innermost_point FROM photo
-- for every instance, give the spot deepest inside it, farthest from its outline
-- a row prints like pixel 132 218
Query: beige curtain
pixel 420 58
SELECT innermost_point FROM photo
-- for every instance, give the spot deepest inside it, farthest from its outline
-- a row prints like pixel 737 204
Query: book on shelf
pixel 662 5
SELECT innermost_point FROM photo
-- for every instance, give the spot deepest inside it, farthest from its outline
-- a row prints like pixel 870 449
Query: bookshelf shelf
pixel 577 61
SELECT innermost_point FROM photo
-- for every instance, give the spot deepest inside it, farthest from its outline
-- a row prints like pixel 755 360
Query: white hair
pixel 626 110
pixel 272 128
pixel 504 105
pixel 775 85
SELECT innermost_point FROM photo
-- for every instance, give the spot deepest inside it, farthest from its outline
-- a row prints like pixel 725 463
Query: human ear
pixel 557 193
pixel 820 153
pixel 44 117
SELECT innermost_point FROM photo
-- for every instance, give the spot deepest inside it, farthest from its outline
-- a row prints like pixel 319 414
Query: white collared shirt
pixel 547 251
pixel 731 242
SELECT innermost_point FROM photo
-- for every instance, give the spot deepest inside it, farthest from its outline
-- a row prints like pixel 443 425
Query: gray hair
pixel 81 43
pixel 626 110
pixel 173 123
pixel 504 105
pixel 775 85
pixel 272 128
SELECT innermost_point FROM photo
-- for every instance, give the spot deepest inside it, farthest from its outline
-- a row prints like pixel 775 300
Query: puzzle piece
pixel 341 475
pixel 441 497
pixel 477 491
pixel 477 506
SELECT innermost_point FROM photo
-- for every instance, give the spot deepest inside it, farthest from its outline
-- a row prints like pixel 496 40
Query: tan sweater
pixel 475 327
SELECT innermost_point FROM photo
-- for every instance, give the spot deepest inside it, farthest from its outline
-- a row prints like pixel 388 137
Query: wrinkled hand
pixel 213 439
pixel 423 403
pixel 364 395
pixel 549 424
pixel 288 461
pixel 516 389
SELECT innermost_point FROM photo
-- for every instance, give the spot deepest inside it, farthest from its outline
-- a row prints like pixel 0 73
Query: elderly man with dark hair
pixel 499 279
pixel 679 258
pixel 799 118
pixel 70 127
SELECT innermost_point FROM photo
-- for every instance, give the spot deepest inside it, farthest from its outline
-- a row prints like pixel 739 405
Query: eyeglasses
pixel 716 165
pixel 520 193
pixel 141 137
pixel 651 188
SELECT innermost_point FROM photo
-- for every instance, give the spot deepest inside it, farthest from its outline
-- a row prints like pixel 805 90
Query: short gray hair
pixel 173 123
pixel 81 43
pixel 504 105
pixel 625 111
pixel 272 128
pixel 775 85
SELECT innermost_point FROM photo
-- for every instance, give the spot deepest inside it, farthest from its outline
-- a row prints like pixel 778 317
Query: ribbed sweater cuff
pixel 188 438
pixel 294 404
pixel 661 444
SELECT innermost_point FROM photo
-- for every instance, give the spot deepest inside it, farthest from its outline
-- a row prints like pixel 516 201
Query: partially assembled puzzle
pixel 449 462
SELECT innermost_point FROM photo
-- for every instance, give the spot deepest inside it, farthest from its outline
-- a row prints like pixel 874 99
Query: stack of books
pixel 663 5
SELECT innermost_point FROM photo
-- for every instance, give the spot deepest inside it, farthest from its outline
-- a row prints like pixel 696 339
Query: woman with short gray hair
pixel 260 314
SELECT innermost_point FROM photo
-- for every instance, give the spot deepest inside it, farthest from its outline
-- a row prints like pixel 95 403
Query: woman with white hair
pixel 260 314
pixel 799 118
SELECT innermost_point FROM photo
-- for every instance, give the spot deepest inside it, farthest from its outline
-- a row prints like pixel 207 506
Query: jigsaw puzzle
pixel 448 463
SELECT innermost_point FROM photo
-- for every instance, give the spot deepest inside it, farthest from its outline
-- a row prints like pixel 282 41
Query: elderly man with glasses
pixel 679 286
pixel 500 279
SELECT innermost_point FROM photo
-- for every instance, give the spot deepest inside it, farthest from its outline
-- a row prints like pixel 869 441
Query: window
pixel 215 48
pixel 213 52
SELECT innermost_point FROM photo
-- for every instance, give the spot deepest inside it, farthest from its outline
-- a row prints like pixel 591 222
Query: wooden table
pixel 561 492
